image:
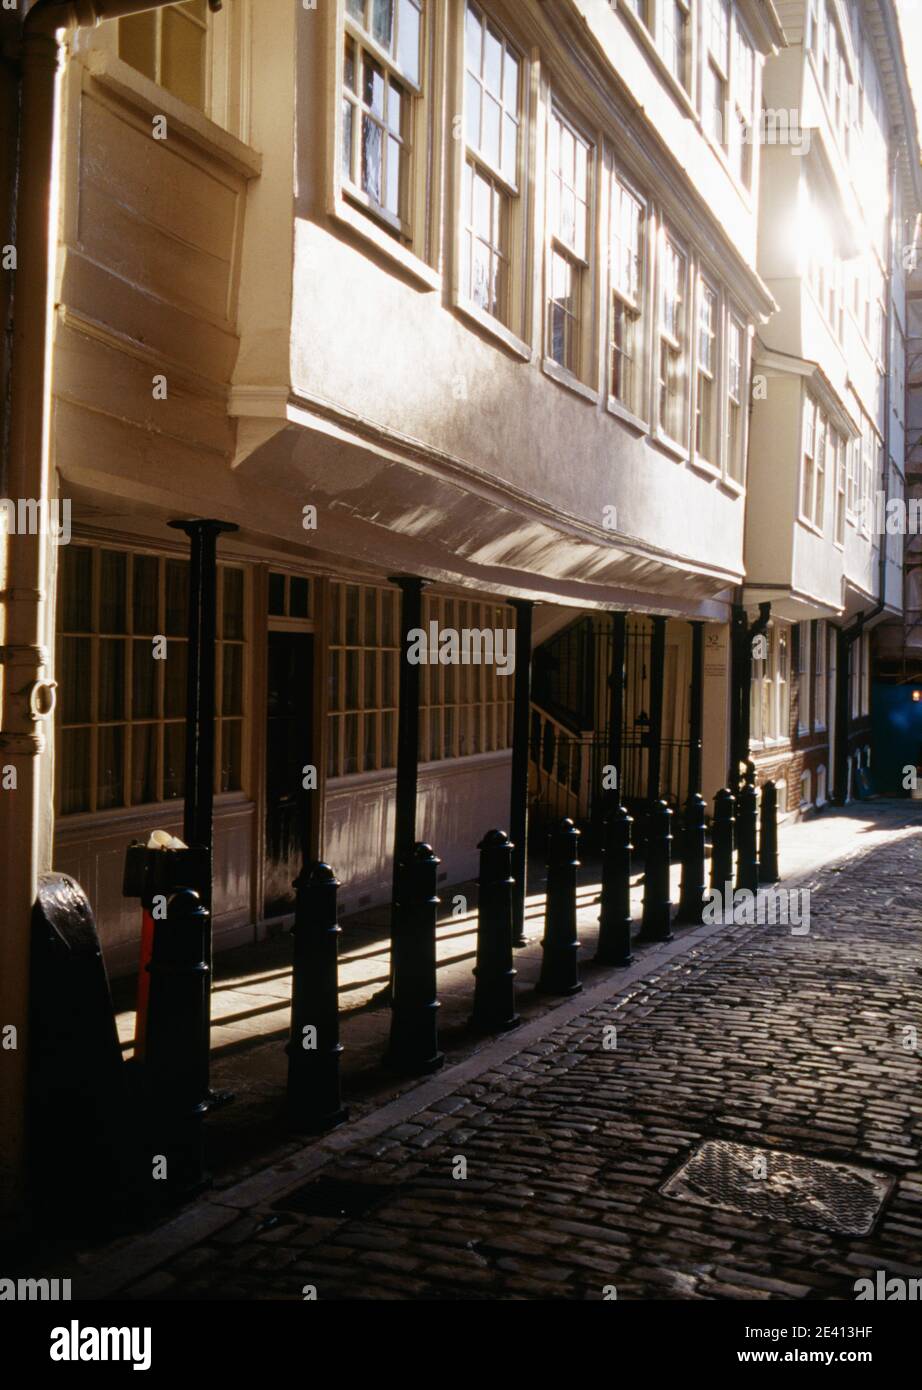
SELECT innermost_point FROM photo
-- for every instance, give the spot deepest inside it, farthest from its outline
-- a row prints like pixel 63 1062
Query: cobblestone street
pixel 794 1043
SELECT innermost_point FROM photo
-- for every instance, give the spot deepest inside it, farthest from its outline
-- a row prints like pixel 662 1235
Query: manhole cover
pixel 786 1187
pixel 333 1197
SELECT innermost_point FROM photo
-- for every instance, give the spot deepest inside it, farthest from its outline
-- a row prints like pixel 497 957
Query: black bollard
pixel 747 856
pixel 494 990
pixel 414 1042
pixel 559 965
pixel 175 1074
pixel 656 924
pixel 614 946
pixel 694 857
pixel 768 837
pixel 722 836
pixel 314 1049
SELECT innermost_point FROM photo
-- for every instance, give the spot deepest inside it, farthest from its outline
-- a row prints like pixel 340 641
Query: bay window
pixel 813 467
pixel 743 83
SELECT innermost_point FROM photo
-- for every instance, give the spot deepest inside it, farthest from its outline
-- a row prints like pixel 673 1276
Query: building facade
pixel 839 209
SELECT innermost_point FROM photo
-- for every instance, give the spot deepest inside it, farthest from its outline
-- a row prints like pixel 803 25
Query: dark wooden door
pixel 288 752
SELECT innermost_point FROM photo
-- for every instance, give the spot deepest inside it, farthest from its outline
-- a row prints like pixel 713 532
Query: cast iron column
pixel 518 800
pixel 411 613
pixel 616 703
pixel 695 715
pixel 657 674
pixel 200 690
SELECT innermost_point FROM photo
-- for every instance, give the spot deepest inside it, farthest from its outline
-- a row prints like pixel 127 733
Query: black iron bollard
pixel 722 836
pixel 747 855
pixel 694 857
pixel 176 1063
pixel 314 1049
pixel 656 924
pixel 494 990
pixel 414 1042
pixel 768 837
pixel 560 966
pixel 614 946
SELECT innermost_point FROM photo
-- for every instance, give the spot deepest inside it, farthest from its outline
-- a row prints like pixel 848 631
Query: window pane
pixel 183 57
pixel 352 616
pixel 382 21
pixel 351 745
pixel 299 600
pixel 352 680
pixel 230 774
pixel 174 693
pixel 75 680
pixel 177 598
pixel 408 40
pixel 145 599
pixel 144 764
pixel 174 754
pixel 111 703
pixel 277 595
pixel 75 771
pixel 233 604
pixel 113 589
pixel 232 680
pixel 137 42
pixel 389 618
pixel 357 9
pixel 144 669
pixel 110 768
pixel 76 589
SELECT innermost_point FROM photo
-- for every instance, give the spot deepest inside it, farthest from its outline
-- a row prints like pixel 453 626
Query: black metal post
pixel 656 924
pixel 747 857
pixel 696 708
pixel 518 797
pixel 694 859
pixel 657 681
pixel 198 809
pixel 494 990
pixel 414 1042
pixel 560 965
pixel 614 947
pixel 176 1065
pixel 201 651
pixel 723 833
pixel 314 1049
pixel 616 704
pixel 768 836
pixel 411 615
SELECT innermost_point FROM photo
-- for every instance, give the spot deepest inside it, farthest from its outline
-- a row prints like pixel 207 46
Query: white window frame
pixel 820 676
pixel 804 676
pixel 620 298
pixel 708 456
pixel 734 462
pixel 580 366
pixel 771 690
pixel 674 345
pixel 511 324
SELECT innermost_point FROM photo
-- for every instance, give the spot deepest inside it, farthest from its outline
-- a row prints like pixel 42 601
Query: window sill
pixel 133 87
pixel 732 485
pixel 614 407
pixel 670 446
pixel 566 378
pixel 811 527
pixel 417 269
pixel 494 327
pixel 664 71
pixel 702 466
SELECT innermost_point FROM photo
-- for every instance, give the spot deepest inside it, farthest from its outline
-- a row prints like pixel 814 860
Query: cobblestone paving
pixel 787 1042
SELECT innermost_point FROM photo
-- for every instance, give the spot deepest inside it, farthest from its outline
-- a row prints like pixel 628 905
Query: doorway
pixel 289 735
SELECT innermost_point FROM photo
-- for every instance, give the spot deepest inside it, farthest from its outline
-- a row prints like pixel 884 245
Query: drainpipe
pixel 26 813
pixel 743 634
pixel 847 636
